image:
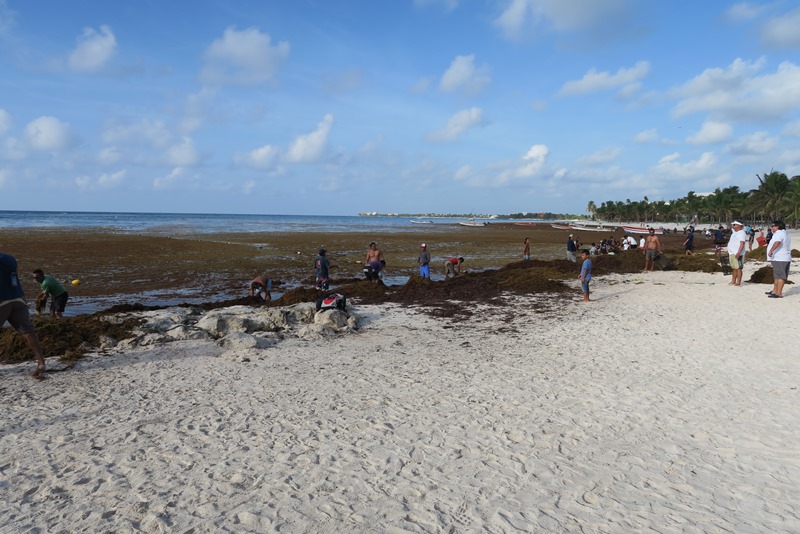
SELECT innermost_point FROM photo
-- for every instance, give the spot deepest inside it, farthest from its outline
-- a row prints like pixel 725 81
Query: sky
pixel 335 107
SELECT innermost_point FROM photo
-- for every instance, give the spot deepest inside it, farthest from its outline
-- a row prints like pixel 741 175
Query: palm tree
pixel 592 208
pixel 767 199
pixel 791 199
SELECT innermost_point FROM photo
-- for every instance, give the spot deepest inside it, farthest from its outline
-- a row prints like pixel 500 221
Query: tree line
pixel 776 197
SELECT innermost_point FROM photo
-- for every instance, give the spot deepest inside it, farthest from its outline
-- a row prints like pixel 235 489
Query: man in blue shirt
pixel 586 274
pixel 14 309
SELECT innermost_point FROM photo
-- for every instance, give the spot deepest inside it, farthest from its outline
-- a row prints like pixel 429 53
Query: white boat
pixel 561 227
pixel 592 227
pixel 473 222
pixel 641 230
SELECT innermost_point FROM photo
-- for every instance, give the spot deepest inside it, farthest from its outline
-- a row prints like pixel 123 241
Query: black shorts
pixel 57 304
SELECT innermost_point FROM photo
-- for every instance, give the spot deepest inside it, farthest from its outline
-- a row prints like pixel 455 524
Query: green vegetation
pixel 777 197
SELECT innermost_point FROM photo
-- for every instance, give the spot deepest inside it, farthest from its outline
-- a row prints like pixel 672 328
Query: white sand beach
pixel 669 403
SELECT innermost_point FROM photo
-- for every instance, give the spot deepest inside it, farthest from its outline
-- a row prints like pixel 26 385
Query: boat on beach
pixel 561 226
pixel 641 230
pixel 592 227
pixel 473 222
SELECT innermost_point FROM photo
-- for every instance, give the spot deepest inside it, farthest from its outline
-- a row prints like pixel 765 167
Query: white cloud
pixel 561 15
pixel 781 32
pixel 670 168
pixel 151 133
pixel 310 147
pixel 533 163
pixel 462 173
pixel 245 57
pixel 793 128
pixel 48 134
pixel 448 5
pixel 183 154
pixel 757 143
pixel 104 181
pixel 249 186
pixel 737 93
pixel 711 132
pixel 601 157
pixel 594 81
pixel 743 12
pixel 94 50
pixel 422 85
pixel 5 121
pixel 646 136
pixel 109 156
pixel 462 74
pixel 170 180
pixel 261 158
pixel 458 124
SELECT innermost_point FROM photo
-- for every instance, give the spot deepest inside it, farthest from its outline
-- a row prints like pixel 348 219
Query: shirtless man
pixel 651 250
pixel 373 262
pixel 261 283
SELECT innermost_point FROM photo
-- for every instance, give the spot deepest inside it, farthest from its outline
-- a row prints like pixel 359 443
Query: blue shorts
pixel 585 286
pixel 425 271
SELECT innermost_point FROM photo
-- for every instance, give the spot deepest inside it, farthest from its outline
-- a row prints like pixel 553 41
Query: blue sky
pixel 413 106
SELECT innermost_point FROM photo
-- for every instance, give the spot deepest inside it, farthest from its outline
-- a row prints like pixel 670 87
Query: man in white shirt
pixel 736 252
pixel 779 253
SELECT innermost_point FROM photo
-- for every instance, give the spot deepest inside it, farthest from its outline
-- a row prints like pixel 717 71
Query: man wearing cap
pixel 423 260
pixel 779 254
pixel 321 265
pixel 736 252
pixel 572 250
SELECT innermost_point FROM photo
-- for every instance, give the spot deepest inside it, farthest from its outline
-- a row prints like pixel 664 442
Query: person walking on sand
pixel 53 289
pixel 651 250
pixel 779 253
pixel 321 265
pixel 423 260
pixel 14 309
pixel 689 243
pixel 572 250
pixel 736 252
pixel 452 266
pixel 586 274
pixel 526 249
pixel 261 283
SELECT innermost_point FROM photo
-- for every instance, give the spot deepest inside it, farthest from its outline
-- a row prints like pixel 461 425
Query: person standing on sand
pixel 779 253
pixel 651 250
pixel 689 243
pixel 51 288
pixel 321 265
pixel 572 250
pixel 526 249
pixel 424 260
pixel 586 274
pixel 14 309
pixel 452 266
pixel 261 283
pixel 736 253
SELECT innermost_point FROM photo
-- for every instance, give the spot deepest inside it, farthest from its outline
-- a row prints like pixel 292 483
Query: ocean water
pixel 192 223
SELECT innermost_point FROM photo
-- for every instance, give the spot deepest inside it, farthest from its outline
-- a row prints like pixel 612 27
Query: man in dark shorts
pixel 689 243
pixel 53 289
pixel 14 309
pixel 261 283
pixel 321 265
